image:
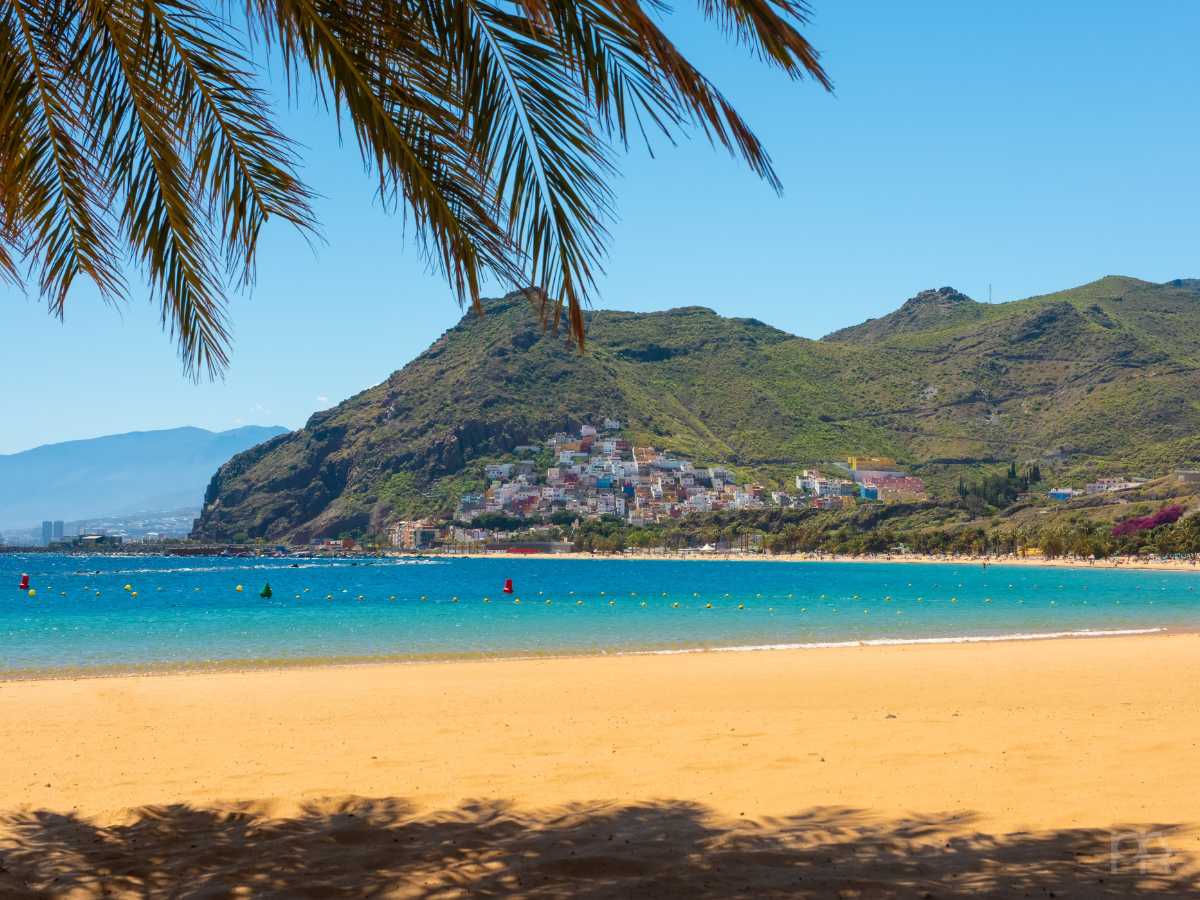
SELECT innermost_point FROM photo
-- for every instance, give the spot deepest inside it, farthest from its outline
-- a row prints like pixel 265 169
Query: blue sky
pixel 1029 145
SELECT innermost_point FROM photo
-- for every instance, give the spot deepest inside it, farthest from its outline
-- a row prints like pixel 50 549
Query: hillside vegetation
pixel 1099 379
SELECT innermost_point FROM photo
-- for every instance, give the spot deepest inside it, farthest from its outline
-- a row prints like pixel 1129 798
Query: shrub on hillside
pixel 1138 524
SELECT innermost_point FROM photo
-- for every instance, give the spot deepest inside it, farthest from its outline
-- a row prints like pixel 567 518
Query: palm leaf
pixel 137 127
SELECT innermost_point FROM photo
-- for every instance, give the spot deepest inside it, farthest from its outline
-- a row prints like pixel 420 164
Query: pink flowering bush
pixel 1164 516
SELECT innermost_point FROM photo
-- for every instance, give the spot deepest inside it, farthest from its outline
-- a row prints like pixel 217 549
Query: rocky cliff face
pixel 1107 370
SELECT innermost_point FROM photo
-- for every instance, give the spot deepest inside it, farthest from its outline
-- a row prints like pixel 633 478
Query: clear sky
pixel 1028 145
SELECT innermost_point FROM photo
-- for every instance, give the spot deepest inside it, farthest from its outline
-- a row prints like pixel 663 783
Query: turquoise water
pixel 188 611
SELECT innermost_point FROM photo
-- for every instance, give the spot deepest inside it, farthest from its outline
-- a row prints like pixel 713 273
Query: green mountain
pixel 1099 378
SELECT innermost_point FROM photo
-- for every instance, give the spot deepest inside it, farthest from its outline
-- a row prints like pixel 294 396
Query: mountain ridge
pixel 1101 375
pixel 118 473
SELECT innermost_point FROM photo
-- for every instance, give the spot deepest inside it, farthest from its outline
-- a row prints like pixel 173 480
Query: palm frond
pixel 55 200
pixel 375 67
pixel 534 133
pixel 137 127
pixel 140 124
pixel 241 162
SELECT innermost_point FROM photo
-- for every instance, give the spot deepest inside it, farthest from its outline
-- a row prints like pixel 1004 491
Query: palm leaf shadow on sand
pixel 360 847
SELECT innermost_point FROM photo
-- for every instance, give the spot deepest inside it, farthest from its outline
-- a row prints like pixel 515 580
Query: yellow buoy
pixel 133 593
pixel 549 601
pixel 643 603
pixel 129 587
pixel 579 603
pixel 238 588
pixel 708 606
pixel 32 592
pixel 612 602
pixel 517 600
pixel 741 606
pixel 675 605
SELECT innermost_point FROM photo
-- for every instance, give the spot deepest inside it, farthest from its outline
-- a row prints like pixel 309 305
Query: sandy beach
pixel 887 771
pixel 1116 562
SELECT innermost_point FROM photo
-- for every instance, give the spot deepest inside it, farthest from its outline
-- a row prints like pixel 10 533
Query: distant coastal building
pixel 1061 493
pixel 414 535
pixel 98 540
pixel 1108 485
pixel 58 529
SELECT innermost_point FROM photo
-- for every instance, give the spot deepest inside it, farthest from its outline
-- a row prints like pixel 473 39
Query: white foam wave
pixel 898 642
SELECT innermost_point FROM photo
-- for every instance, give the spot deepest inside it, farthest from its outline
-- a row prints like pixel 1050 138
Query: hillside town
pixel 597 473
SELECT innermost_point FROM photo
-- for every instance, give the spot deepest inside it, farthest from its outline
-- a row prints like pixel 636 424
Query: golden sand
pixel 1150 563
pixel 885 771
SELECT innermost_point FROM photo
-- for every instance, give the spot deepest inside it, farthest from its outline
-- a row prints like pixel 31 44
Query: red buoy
pixel 508 588
pixel 24 585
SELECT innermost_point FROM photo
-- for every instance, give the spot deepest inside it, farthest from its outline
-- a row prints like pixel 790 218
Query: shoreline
pixel 250 666
pixel 1122 562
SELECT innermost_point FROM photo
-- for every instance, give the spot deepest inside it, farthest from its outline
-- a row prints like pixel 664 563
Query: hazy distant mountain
pixel 118 473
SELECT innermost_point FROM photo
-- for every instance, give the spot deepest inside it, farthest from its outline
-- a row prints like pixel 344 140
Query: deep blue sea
pixel 184 612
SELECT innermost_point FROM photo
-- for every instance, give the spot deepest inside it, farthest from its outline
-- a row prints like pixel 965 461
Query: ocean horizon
pixel 101 613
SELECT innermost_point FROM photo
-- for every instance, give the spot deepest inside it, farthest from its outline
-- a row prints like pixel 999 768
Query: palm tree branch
pixel 60 207
pixel 444 194
pixel 529 114
pixel 261 156
pixel 159 210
